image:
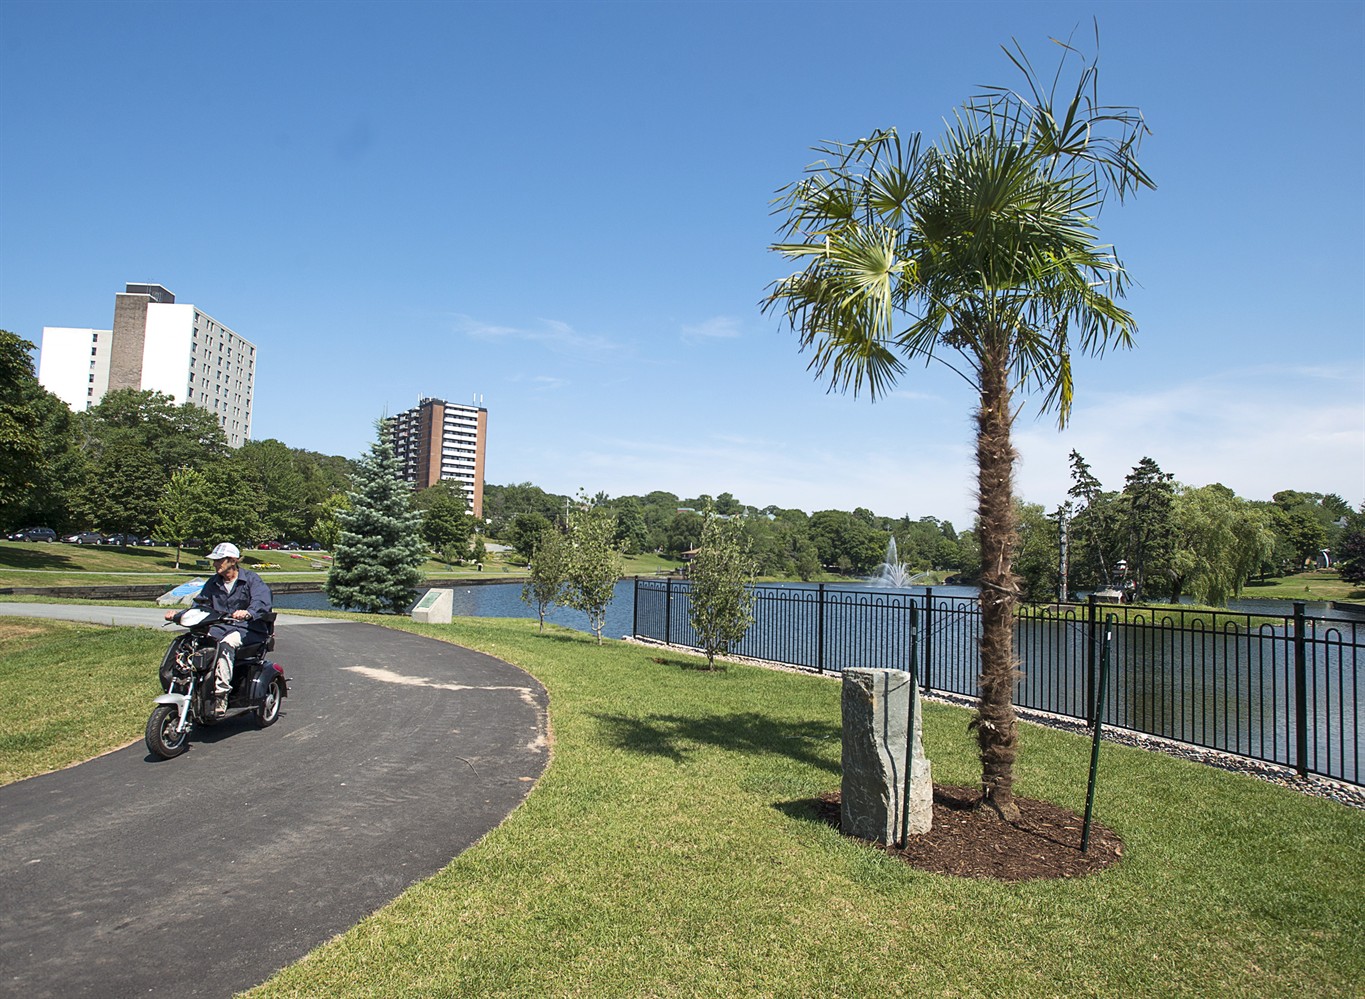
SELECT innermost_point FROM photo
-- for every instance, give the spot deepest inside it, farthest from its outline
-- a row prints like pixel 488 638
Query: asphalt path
pixel 203 875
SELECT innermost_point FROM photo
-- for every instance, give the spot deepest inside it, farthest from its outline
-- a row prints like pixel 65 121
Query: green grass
pixel 671 849
pixel 1320 584
pixel 59 564
pixel 69 692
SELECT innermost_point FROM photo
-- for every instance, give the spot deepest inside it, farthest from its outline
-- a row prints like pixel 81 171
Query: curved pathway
pixel 128 875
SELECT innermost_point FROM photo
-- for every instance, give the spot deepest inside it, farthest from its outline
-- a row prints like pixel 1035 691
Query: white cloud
pixel 717 327
pixel 1256 430
pixel 553 334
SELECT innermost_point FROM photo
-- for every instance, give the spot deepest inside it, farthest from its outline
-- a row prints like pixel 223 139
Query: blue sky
pixel 563 208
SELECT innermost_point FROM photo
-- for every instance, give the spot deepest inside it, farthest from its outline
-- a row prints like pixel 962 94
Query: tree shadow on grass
pixel 47 556
pixel 673 737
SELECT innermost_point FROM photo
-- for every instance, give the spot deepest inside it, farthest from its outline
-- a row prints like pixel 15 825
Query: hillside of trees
pixel 122 467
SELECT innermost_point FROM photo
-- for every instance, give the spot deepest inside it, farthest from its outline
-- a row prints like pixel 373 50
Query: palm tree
pixel 981 247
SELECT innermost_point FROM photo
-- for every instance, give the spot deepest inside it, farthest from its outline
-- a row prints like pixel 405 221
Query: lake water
pixel 504 600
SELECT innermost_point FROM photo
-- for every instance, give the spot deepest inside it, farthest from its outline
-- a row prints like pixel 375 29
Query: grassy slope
pixel 671 850
pixel 27 564
pixel 71 691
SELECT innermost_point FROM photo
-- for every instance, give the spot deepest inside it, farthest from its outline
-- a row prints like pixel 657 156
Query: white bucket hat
pixel 225 550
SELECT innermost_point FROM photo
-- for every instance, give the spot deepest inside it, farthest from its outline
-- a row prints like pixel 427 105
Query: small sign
pixel 434 607
pixel 182 593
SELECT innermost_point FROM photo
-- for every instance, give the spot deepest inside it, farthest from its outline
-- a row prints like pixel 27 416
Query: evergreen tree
pixel 378 559
pixel 1147 506
pixel 1092 524
pixel 594 565
pixel 549 570
pixel 720 604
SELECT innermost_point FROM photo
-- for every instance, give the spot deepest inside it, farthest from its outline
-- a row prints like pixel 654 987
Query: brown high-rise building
pixel 442 440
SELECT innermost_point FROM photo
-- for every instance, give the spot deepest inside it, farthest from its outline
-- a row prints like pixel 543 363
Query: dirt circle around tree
pixel 967 841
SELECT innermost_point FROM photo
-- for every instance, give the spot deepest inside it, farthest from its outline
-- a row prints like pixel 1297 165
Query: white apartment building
pixel 160 345
pixel 442 440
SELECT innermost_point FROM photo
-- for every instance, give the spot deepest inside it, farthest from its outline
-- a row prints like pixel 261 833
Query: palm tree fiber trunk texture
pixel 995 724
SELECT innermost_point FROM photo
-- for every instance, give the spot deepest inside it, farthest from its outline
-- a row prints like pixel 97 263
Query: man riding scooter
pixel 243 598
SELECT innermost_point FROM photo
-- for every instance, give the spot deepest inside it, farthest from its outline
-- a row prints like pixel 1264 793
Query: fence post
pixel 1091 640
pixel 668 611
pixel 928 664
pixel 1300 691
pixel 635 609
pixel 1109 620
pixel 820 627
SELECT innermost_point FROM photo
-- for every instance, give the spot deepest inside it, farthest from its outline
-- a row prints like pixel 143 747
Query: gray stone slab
pixel 878 706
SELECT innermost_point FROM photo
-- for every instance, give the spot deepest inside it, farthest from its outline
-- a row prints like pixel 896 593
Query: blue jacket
pixel 249 593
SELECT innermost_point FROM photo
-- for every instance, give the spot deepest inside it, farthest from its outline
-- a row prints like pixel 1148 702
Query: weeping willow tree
pixel 980 251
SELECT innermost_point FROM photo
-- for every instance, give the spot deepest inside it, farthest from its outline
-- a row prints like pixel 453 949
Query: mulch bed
pixel 972 842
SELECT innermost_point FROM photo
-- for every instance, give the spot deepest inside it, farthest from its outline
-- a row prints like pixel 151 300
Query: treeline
pixel 128 462
pixel 137 463
pixel 1154 538
pixel 784 542
pixel 1158 538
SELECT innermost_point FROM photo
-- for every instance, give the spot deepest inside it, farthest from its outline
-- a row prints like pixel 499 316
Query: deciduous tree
pixel 549 569
pixel 446 522
pixel 719 601
pixel 594 564
pixel 181 508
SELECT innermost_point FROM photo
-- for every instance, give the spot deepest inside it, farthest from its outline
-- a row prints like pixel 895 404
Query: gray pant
pixel 227 655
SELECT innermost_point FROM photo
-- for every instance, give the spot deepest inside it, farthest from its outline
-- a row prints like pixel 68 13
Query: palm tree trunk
pixel 995 723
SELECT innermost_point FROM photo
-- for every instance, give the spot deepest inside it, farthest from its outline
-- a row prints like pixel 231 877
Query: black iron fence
pixel 1283 689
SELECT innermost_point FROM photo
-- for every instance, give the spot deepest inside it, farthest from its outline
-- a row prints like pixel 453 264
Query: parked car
pixel 34 534
pixel 290 546
pixel 268 546
pixel 312 546
pixel 84 538
pixel 123 539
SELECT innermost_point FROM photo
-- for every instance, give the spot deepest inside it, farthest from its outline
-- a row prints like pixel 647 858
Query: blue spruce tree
pixel 377 564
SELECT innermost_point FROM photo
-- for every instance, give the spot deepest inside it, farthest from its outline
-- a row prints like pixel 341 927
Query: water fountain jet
pixel 893 573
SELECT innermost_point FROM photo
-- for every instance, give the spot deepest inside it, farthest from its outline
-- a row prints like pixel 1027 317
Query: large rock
pixel 878 705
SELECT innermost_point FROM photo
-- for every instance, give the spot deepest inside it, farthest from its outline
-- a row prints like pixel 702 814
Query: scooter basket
pixel 202 661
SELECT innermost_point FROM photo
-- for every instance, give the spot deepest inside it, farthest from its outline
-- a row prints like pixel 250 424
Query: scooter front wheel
pixel 164 739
